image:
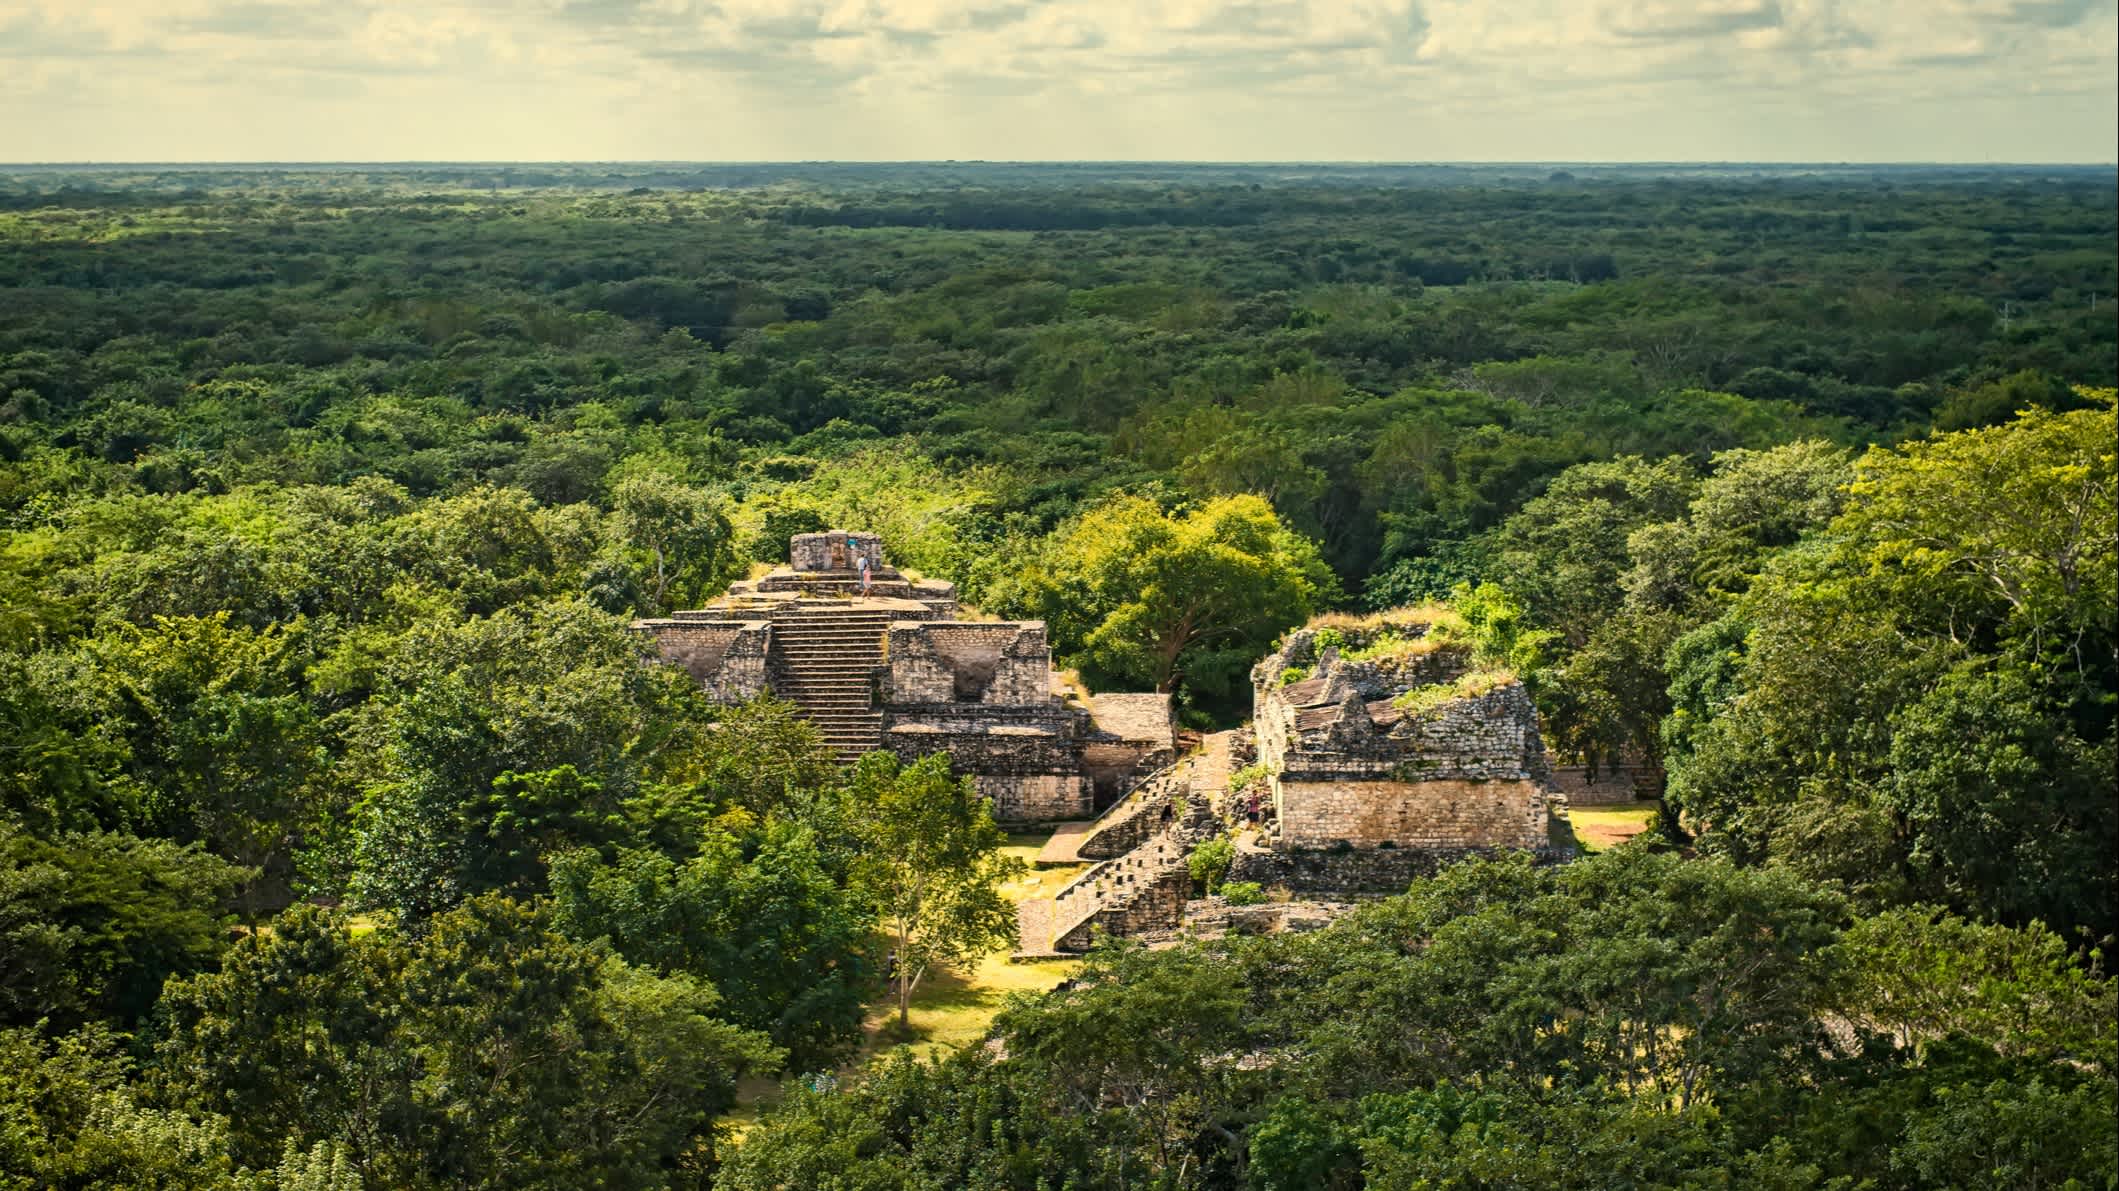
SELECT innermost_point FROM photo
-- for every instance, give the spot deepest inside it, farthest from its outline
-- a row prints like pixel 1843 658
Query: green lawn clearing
pixel 1600 827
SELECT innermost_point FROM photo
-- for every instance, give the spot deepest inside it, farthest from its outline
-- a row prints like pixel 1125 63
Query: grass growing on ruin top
pixel 1471 684
pixel 1391 635
pixel 1433 614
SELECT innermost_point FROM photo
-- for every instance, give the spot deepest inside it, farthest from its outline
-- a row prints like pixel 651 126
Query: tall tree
pixel 489 1051
pixel 1921 700
pixel 1139 596
pixel 933 863
pixel 680 535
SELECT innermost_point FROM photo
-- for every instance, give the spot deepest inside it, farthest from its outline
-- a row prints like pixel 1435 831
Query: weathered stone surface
pixel 727 657
pixel 1348 765
pixel 1621 780
pixel 1148 810
pixel 1035 797
pixel 1444 814
pixel 970 662
pixel 891 668
pixel 1353 870
pixel 835 550
pixel 1143 890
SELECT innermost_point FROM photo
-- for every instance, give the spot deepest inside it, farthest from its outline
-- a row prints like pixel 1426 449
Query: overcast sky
pixel 1224 80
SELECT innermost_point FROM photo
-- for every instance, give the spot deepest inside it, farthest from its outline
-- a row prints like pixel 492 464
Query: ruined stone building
pixel 1384 749
pixel 881 661
pixel 1376 754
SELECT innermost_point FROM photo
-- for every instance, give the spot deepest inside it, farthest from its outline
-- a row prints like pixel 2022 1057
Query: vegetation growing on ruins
pixel 1471 684
pixel 345 840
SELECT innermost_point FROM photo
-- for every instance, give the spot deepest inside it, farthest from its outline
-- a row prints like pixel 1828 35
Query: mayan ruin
pixel 877 660
pixel 1376 750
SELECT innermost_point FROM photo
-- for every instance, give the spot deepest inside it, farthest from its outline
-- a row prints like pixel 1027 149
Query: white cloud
pixel 1897 79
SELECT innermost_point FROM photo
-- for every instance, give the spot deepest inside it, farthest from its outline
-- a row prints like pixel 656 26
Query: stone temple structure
pixel 1383 751
pixel 881 661
pixel 1376 754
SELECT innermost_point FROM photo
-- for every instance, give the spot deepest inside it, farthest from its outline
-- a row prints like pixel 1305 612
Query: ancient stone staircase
pixel 1143 890
pixel 824 661
pixel 1130 821
pixel 1145 881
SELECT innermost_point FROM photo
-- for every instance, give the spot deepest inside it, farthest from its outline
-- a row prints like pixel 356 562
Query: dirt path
pixel 1066 837
pixel 1210 768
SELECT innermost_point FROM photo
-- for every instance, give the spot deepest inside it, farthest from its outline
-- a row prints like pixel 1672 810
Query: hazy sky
pixel 1422 80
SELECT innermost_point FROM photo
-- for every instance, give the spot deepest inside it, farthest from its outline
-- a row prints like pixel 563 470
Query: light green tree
pixel 934 866
pixel 1136 595
pixel 679 534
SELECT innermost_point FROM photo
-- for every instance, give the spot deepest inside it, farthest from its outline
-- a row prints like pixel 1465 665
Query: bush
pixel 1210 861
pixel 1243 893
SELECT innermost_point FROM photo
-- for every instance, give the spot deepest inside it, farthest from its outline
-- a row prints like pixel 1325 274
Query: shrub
pixel 1243 893
pixel 1210 861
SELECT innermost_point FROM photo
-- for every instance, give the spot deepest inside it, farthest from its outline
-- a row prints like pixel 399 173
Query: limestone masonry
pixel 893 667
pixel 1354 757
pixel 1376 755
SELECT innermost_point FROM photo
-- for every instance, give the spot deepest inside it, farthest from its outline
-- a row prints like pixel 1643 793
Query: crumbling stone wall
pixel 989 747
pixel 889 667
pixel 1035 797
pixel 1486 737
pixel 835 550
pixel 1355 870
pixel 1614 781
pixel 1031 770
pixel 969 662
pixel 1142 891
pixel 1147 810
pixel 1347 765
pixel 728 658
pixel 1427 814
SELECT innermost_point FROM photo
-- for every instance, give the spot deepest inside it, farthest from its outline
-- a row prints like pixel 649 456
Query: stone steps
pixel 1130 821
pixel 1145 883
pixel 824 662
pixel 1144 890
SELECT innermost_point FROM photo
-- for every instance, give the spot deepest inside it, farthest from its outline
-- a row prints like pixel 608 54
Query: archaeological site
pixel 880 661
pixel 1377 751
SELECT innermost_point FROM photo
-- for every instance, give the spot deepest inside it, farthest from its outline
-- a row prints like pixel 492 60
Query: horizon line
pixel 1057 161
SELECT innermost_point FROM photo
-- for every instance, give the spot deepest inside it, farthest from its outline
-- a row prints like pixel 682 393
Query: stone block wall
pixel 1429 814
pixel 889 667
pixel 991 747
pixel 1112 766
pixel 1035 797
pixel 1147 811
pixel 1029 764
pixel 1614 782
pixel 1348 767
pixel 1142 891
pixel 1352 870
pixel 1492 736
pixel 830 551
pixel 969 662
pixel 728 658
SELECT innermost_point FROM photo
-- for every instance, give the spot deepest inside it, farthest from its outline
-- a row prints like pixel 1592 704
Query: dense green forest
pixel 346 842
